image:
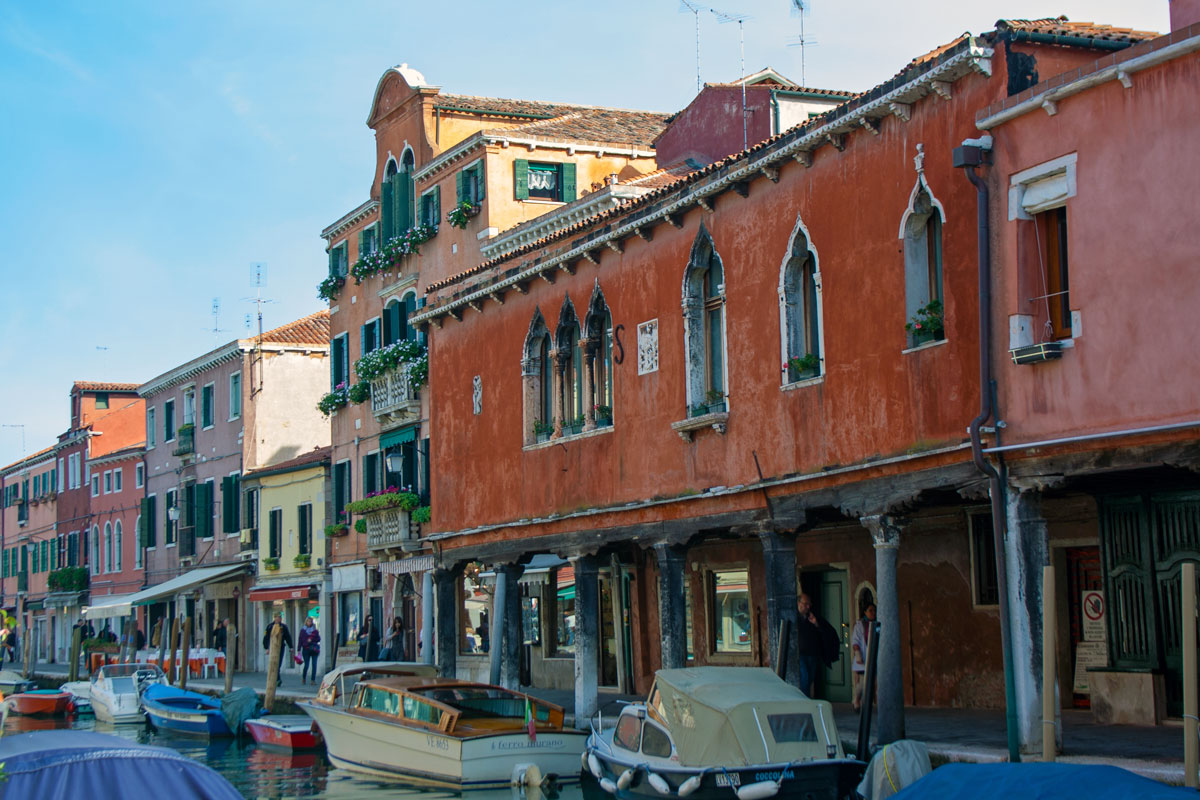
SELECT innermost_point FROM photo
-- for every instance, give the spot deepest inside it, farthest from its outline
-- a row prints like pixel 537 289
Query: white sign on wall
pixel 1094 611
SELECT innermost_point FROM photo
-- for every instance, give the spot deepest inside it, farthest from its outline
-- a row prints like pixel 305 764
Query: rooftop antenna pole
pixel 259 280
pixel 799 9
pixel 216 311
pixel 722 18
pixel 686 5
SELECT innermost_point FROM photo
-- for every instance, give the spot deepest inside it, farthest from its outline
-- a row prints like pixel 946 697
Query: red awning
pixel 268 594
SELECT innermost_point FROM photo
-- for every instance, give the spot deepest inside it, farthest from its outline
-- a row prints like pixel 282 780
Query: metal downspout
pixel 987 410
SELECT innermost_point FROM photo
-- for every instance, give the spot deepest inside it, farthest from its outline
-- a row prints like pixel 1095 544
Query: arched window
pixel 117 545
pixel 537 378
pixel 569 369
pixel 96 550
pixel 396 196
pixel 704 328
pixel 921 230
pixel 800 310
pixel 108 547
pixel 598 392
pixel 396 315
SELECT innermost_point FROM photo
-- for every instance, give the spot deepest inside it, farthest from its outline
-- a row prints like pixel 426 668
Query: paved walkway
pixel 951 734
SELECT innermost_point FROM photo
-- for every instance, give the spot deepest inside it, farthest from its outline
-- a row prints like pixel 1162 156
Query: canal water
pixel 259 772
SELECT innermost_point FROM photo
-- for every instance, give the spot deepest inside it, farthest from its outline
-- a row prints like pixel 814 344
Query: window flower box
pixel 270 563
pixel 705 409
pixel 341 529
pixel 801 368
pixel 928 324
pixel 461 213
pixel 302 561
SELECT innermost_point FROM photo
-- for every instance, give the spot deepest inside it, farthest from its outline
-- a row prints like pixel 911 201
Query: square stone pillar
pixel 511 632
pixel 672 616
pixel 779 567
pixel 445 589
pixel 587 638
pixel 889 671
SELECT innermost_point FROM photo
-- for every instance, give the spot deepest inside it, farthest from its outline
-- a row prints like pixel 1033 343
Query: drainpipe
pixel 974 153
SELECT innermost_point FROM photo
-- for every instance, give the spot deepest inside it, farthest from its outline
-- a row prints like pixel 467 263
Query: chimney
pixel 1184 13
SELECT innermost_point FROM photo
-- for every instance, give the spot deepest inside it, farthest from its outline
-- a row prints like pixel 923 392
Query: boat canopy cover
pixel 737 716
pixel 239 706
pixel 74 763
pixel 1036 781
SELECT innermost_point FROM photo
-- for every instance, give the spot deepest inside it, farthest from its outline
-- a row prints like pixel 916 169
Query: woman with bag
pixel 309 642
pixel 393 643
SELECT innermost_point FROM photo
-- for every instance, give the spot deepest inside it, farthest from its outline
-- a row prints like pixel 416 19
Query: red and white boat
pixel 286 731
pixel 41 702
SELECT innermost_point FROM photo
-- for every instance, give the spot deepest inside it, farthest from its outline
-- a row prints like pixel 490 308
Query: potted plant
pixel 574 426
pixel 360 525
pixel 338 529
pixel 542 430
pixel 421 515
pixel 270 563
pixel 802 367
pixel 359 392
pixel 462 212
pixel 604 416
pixel 328 288
pixel 388 498
pixel 302 561
pixel 334 400
pixel 928 324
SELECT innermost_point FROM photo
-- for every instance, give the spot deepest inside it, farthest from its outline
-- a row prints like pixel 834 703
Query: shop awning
pixel 185 583
pixel 62 599
pixel 108 606
pixel 393 438
pixel 537 571
pixel 267 594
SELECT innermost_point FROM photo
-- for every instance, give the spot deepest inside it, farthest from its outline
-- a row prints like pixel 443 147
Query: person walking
pixel 818 644
pixel 368 640
pixel 392 646
pixel 220 635
pixel 309 642
pixel 10 644
pixel 285 642
pixel 858 649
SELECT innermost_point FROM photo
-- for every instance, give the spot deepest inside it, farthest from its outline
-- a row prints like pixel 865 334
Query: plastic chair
pixel 210 663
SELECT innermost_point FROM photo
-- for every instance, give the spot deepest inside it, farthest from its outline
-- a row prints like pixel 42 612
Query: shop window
pixel 563 618
pixel 731 623
pixel 800 297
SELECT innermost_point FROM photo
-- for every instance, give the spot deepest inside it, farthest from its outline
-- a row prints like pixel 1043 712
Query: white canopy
pixel 108 606
pixel 186 582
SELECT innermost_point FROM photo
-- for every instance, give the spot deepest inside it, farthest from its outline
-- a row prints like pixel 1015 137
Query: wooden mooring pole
pixel 1049 635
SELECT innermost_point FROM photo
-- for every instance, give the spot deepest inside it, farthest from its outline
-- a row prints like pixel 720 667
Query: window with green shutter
pixel 368 240
pixel 204 509
pixel 543 181
pixel 341 489
pixel 304 528
pixel 206 406
pixel 275 533
pixel 431 207
pixel 231 494
pixel 339 365
pixel 469 184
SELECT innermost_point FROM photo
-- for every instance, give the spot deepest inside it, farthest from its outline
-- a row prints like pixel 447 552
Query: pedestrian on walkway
pixel 858 649
pixel 392 646
pixel 309 642
pixel 220 635
pixel 10 644
pixel 285 642
pixel 368 640
pixel 818 644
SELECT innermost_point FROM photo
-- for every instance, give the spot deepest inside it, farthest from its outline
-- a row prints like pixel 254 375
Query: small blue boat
pixel 81 764
pixel 181 711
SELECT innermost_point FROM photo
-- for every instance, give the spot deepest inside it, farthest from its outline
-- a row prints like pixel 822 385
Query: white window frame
pixel 108 547
pixel 1041 188
pixel 167 522
pixel 96 550
pixel 137 550
pixel 152 522
pixel 189 398
pixel 169 406
pixel 235 409
pixel 108 481
pixel 139 476
pixel 118 482
pixel 95 481
pixel 118 543
pixel 212 387
pixel 785 323
pixel 151 431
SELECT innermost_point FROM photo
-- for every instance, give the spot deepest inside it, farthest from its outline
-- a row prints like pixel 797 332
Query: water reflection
pixel 263 772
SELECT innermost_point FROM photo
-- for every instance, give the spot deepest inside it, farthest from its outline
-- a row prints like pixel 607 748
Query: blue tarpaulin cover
pixel 1038 782
pixel 79 764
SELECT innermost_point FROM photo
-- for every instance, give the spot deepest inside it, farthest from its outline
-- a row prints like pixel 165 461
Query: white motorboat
pixel 450 733
pixel 81 695
pixel 117 691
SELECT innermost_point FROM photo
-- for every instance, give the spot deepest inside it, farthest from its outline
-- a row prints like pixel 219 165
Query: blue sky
pixel 153 152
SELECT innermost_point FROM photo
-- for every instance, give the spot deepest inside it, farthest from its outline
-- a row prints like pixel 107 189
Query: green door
pixel 833 591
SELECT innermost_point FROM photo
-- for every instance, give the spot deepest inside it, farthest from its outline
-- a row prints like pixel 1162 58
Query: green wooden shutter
pixel 362 341
pixel 333 261
pixel 227 507
pixel 204 510
pixel 458 186
pixel 521 178
pixel 387 223
pixel 404 202
pixel 568 182
pixel 361 239
pixel 144 523
pixel 479 182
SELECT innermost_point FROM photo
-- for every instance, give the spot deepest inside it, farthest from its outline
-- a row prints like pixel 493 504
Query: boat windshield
pixel 123 685
pixel 477 702
pixel 135 670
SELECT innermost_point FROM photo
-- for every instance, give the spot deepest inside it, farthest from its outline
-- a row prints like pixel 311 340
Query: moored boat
pixel 40 702
pixel 81 696
pixel 714 733
pixel 450 733
pixel 181 711
pixel 285 731
pixel 12 682
pixel 116 691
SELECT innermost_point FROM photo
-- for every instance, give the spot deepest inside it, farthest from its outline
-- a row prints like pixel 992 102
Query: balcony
pixel 390 528
pixel 185 441
pixel 394 398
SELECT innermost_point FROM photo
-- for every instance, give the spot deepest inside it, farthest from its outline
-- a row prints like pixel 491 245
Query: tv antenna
pixel 694 9
pixel 216 313
pixel 799 9
pixel 724 17
pixel 259 280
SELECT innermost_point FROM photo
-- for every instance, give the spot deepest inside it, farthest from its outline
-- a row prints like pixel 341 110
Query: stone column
pixel 531 386
pixel 446 596
pixel 508 614
pixel 587 638
pixel 426 639
pixel 672 616
pixel 889 670
pixel 588 348
pixel 496 620
pixel 557 397
pixel 1027 550
pixel 779 567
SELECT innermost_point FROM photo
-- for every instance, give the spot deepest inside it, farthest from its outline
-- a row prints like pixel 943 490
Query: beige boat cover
pixel 737 716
